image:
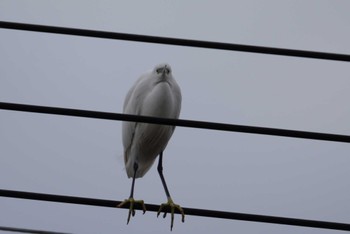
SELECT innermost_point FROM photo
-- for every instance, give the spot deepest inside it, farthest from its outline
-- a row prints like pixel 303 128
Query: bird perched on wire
pixel 157 94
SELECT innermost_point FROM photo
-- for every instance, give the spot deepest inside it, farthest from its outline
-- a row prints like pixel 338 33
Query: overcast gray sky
pixel 204 169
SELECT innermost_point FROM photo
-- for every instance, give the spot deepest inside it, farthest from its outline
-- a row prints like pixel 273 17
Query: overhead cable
pixel 174 41
pixel 27 230
pixel 188 211
pixel 175 122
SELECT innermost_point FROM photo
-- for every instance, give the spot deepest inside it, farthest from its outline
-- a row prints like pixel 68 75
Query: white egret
pixel 157 94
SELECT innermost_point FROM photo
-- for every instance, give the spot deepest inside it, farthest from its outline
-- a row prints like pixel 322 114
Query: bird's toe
pixel 132 202
pixel 170 206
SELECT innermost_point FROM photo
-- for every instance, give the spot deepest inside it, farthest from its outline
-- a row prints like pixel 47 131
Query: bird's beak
pixel 164 70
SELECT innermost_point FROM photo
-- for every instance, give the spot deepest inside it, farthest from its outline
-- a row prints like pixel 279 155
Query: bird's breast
pixel 160 102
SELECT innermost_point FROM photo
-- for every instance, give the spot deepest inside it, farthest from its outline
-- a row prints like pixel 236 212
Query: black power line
pixel 174 41
pixel 188 211
pixel 26 230
pixel 175 122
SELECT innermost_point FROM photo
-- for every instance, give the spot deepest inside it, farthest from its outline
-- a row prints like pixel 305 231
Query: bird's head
pixel 162 70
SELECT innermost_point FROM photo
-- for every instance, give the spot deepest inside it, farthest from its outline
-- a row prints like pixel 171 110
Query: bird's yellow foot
pixel 132 202
pixel 172 206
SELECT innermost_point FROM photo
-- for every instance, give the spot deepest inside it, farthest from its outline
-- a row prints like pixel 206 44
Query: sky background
pixel 204 169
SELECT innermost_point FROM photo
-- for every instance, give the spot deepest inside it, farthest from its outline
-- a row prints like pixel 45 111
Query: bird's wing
pixel 178 100
pixel 132 105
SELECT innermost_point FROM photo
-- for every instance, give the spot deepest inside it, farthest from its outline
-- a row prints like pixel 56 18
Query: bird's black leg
pixel 160 171
pixel 172 206
pixel 131 199
pixel 136 166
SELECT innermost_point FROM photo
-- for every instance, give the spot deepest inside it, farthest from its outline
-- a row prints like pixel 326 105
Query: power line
pixel 175 122
pixel 26 230
pixel 188 211
pixel 174 41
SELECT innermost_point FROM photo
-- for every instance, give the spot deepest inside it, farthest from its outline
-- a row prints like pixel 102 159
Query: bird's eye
pixel 159 70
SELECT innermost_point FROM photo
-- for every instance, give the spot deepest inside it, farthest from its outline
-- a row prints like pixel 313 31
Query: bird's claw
pixel 132 201
pixel 172 206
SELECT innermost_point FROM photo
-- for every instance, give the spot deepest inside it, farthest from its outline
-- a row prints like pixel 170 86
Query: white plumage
pixel 155 93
